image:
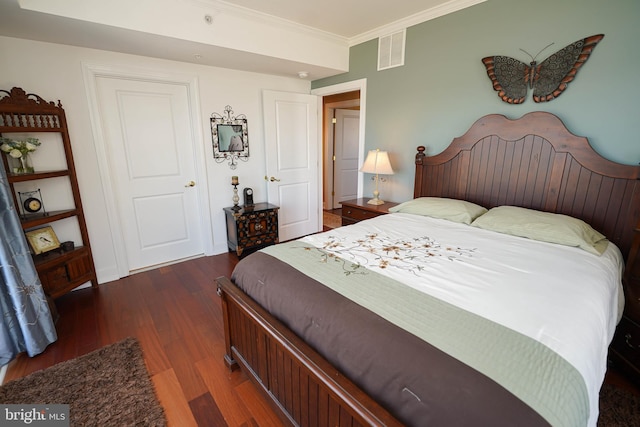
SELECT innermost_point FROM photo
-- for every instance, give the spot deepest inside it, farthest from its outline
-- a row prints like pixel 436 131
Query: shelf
pixel 37 175
pixel 40 219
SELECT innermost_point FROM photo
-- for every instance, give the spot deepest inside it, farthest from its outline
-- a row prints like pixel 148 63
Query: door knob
pixel 191 184
pixel 272 179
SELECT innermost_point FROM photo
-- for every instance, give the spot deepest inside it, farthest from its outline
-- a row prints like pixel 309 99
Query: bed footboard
pixel 302 386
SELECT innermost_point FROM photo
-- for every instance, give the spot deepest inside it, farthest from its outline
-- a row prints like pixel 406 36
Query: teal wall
pixel 443 86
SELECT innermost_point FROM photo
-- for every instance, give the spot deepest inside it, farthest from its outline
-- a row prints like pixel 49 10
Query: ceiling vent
pixel 391 50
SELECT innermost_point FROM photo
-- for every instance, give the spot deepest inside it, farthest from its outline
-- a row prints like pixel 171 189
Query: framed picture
pixel 230 136
pixel 42 240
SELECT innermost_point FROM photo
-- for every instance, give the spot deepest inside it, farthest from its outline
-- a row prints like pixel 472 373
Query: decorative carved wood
pixel 535 162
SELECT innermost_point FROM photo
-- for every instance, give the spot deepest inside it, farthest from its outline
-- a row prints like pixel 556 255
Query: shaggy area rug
pixel 107 387
pixel 618 408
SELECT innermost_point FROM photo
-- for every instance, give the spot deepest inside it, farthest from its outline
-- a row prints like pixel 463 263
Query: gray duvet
pixel 415 381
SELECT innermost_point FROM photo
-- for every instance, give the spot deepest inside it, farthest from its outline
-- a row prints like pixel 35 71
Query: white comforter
pixel 563 297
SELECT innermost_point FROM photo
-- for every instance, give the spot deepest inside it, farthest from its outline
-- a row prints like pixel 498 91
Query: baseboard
pixel 3 372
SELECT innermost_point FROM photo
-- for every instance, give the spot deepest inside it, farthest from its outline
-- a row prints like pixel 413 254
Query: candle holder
pixel 235 198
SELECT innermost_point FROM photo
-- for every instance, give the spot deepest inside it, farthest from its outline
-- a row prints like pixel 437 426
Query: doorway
pixel 341 152
pixel 340 142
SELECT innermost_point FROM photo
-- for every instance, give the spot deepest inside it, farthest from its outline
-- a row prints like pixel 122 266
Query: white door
pixel 345 172
pixel 149 141
pixel 293 161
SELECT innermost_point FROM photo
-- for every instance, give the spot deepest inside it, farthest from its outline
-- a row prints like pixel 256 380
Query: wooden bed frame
pixel 533 162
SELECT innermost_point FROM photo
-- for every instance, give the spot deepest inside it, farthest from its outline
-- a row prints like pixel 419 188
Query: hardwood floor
pixel 175 313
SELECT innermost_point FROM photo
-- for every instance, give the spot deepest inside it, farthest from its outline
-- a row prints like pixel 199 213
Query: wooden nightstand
pixel 250 229
pixel 357 209
pixel 625 348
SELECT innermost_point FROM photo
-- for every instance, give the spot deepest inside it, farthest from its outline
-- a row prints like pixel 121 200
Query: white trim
pixel 328 152
pixel 221 7
pixel 360 85
pixel 418 18
pixel 93 71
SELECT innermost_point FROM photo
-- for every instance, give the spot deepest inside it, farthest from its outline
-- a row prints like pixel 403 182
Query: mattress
pixel 515 313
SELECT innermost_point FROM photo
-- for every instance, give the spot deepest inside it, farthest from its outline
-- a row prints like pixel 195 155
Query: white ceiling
pixel 353 21
pixel 349 18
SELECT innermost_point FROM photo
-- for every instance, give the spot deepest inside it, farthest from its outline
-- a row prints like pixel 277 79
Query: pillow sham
pixel 543 226
pixel 439 207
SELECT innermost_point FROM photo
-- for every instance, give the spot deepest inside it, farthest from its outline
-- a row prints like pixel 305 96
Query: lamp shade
pixel 377 162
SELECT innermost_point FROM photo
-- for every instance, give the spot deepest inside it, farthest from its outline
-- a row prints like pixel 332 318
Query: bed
pixel 420 319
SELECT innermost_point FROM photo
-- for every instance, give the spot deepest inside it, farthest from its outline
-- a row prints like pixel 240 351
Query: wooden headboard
pixel 535 162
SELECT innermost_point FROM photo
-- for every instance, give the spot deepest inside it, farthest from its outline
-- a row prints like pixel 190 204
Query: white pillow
pixel 439 207
pixel 544 226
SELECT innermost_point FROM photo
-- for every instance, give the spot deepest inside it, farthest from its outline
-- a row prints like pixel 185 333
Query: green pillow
pixel 438 207
pixel 543 226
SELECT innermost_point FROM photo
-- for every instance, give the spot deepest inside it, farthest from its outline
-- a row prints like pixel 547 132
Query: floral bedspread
pixel 384 251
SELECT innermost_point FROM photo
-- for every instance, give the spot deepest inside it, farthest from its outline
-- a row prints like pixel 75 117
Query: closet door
pixel 149 140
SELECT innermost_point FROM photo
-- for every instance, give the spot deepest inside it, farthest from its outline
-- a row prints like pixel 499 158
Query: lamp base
pixel 375 201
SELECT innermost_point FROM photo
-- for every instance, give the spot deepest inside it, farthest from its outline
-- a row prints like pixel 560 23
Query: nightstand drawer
pixel 625 346
pixel 258 240
pixel 257 224
pixel 348 221
pixel 359 209
pixel 358 214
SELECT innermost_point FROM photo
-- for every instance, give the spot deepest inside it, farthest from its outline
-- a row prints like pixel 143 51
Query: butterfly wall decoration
pixel 512 78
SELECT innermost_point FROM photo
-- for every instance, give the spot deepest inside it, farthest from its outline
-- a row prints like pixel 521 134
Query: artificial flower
pixel 18 148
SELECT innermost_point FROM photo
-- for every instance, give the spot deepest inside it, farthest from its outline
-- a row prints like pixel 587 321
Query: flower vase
pixel 24 165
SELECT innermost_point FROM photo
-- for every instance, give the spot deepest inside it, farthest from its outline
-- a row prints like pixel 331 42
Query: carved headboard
pixel 535 162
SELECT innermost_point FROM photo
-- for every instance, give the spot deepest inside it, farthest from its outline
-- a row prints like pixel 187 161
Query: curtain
pixel 26 323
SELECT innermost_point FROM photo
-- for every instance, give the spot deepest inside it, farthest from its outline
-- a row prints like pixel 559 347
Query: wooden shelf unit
pixel 59 271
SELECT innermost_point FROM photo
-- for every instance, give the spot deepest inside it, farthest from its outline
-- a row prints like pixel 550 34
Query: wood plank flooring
pixel 175 313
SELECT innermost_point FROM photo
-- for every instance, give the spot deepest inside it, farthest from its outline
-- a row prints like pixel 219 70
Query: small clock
pixel 32 205
pixel 31 202
pixel 248 197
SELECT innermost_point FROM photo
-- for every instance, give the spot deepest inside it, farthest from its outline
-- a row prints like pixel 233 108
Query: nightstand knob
pixel 627 339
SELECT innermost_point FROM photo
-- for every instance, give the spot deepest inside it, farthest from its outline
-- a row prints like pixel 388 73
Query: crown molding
pixel 222 7
pixel 418 18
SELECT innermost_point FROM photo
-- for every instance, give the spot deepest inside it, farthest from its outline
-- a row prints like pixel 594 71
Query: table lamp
pixel 377 162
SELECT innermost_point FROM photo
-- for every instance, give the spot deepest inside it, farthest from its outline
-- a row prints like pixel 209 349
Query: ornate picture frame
pixel 230 137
